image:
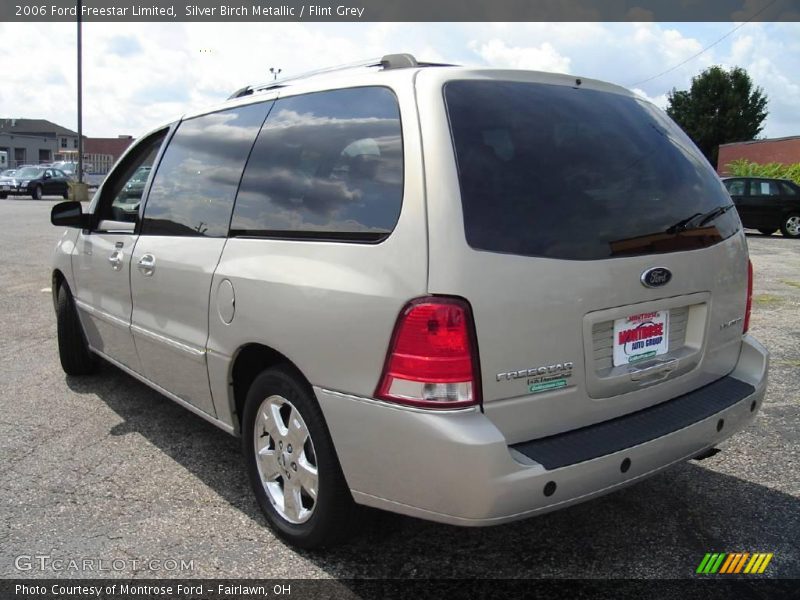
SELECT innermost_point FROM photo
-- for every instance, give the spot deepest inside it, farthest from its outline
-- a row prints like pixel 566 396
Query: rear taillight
pixel 749 296
pixel 432 360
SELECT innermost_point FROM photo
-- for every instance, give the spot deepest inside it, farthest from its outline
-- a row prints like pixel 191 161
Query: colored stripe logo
pixel 734 563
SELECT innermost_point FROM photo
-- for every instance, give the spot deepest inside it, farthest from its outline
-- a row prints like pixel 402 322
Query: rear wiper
pixel 698 219
pixel 682 225
pixel 714 213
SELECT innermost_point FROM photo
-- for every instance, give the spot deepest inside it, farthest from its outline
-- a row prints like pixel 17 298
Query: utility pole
pixel 80 93
pixel 275 72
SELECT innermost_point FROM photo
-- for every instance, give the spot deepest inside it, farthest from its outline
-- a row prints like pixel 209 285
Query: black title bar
pixel 401 10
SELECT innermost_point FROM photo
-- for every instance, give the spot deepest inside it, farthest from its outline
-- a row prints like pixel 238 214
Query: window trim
pixel 355 237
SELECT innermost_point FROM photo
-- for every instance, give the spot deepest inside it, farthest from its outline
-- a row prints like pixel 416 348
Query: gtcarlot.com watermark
pixel 56 564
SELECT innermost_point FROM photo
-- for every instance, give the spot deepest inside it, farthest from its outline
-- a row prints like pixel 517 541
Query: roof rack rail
pixel 387 62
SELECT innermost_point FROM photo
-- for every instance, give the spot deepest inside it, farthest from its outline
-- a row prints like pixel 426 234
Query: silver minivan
pixel 465 295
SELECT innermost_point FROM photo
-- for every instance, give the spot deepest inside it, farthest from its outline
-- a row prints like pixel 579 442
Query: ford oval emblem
pixel 656 277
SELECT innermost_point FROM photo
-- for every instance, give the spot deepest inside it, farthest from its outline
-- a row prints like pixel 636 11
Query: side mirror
pixel 69 214
pixel 46 176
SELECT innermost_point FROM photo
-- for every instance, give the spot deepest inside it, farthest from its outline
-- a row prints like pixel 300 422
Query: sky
pixel 138 75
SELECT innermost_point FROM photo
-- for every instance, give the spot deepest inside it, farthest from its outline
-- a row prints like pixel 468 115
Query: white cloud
pixel 137 75
pixel 535 58
pixel 660 101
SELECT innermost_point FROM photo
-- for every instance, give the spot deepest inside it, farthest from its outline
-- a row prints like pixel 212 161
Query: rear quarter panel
pixel 329 307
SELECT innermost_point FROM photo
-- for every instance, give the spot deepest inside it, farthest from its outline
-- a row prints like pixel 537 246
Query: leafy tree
pixel 719 108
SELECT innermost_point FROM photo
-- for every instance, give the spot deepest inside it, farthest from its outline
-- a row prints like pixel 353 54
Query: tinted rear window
pixel 572 173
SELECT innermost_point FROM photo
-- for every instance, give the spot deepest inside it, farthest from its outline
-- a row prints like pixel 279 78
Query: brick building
pixel 780 150
pixel 102 153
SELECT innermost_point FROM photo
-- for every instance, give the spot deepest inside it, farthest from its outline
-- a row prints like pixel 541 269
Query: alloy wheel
pixel 286 460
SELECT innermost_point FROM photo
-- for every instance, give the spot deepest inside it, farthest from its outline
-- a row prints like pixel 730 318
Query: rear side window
pixel 195 183
pixel 326 165
pixel 572 173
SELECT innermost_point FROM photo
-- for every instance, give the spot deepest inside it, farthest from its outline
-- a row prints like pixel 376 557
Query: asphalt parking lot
pixel 105 468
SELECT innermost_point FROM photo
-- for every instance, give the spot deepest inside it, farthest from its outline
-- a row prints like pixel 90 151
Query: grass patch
pixel 763 299
pixel 795 284
pixel 792 362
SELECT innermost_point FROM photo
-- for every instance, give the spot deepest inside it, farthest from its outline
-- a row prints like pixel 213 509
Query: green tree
pixel 719 108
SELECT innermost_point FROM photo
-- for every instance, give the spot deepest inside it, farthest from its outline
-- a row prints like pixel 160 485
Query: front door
pixel 184 231
pixel 102 259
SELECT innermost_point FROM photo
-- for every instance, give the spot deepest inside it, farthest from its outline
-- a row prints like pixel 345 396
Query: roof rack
pixel 387 62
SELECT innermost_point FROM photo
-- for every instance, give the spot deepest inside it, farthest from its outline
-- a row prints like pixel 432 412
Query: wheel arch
pixel 250 360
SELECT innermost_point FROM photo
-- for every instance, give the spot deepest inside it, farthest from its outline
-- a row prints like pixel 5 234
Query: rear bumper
pixel 457 468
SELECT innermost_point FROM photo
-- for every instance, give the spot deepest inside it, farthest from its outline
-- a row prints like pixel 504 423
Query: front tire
pixel 3 196
pixel 292 464
pixel 76 358
pixel 790 226
pixel 37 192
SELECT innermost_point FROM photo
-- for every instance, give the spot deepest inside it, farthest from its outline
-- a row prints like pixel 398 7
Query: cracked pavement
pixel 105 468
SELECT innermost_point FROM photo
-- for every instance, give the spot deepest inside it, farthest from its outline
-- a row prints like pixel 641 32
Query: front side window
pixel 788 190
pixel 326 165
pixel 573 173
pixel 121 198
pixel 195 182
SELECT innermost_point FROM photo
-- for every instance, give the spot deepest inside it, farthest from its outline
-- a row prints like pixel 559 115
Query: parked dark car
pixel 35 182
pixel 766 204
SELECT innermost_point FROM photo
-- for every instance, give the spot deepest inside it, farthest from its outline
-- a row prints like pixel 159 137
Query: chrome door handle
pixel 147 264
pixel 116 260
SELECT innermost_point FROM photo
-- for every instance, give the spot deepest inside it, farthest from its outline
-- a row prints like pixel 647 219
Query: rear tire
pixel 790 226
pixel 767 231
pixel 76 358
pixel 292 463
pixel 37 192
pixel 3 196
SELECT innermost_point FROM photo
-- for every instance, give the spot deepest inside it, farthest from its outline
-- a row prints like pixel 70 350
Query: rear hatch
pixel 605 268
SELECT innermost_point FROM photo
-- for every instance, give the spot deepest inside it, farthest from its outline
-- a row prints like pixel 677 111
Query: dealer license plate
pixel 641 336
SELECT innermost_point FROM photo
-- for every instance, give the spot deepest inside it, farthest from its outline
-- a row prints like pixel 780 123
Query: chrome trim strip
pixel 196 354
pixel 101 314
pixel 403 407
pixel 190 407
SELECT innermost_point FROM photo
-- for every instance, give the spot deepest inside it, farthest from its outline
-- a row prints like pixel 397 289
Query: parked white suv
pixel 465 295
